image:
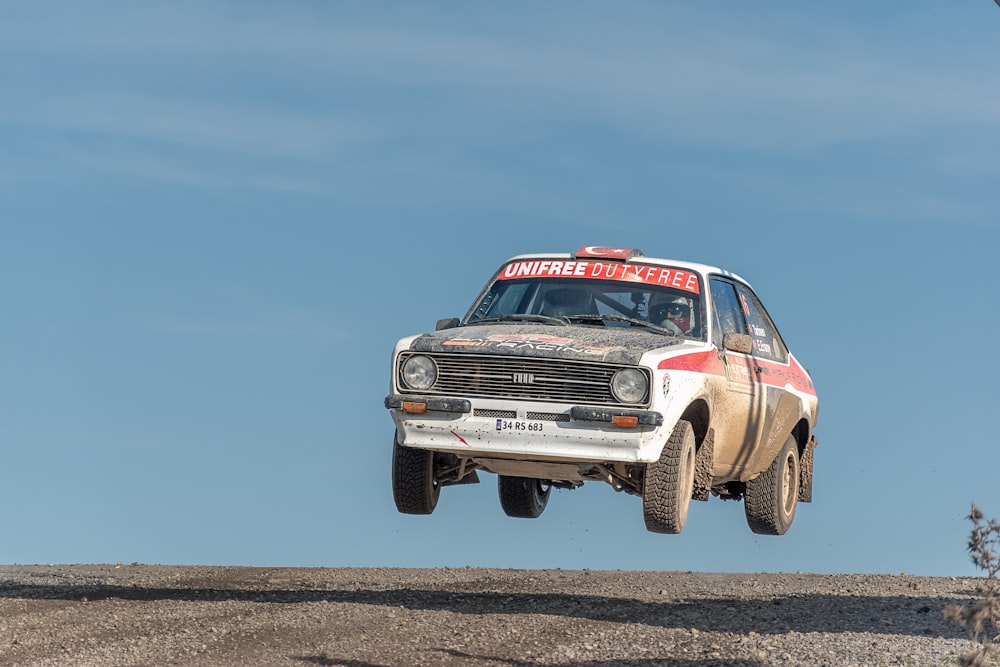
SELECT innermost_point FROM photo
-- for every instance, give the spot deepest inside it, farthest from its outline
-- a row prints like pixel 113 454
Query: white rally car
pixel 665 379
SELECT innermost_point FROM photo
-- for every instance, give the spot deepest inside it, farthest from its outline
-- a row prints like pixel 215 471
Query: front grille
pixel 522 378
pixel 502 414
pixel 548 416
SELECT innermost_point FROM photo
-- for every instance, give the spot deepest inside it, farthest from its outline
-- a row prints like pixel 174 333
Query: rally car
pixel 665 379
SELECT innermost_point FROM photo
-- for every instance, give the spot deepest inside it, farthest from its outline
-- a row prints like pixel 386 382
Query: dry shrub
pixel 981 617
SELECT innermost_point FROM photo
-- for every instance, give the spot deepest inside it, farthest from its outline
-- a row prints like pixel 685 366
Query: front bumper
pixel 525 430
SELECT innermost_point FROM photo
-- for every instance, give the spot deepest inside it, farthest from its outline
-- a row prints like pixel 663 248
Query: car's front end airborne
pixel 534 401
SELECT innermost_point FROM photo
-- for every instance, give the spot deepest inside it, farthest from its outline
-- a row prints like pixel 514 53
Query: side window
pixel 728 316
pixel 767 343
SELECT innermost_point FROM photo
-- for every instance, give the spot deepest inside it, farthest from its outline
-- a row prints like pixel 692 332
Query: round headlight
pixel 420 372
pixel 629 385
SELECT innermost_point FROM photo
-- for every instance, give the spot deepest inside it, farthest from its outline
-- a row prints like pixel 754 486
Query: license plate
pixel 518 425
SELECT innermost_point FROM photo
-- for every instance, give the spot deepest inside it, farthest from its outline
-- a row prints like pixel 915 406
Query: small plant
pixel 981 617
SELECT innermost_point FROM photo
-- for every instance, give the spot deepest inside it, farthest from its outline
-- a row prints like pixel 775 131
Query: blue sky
pixel 217 217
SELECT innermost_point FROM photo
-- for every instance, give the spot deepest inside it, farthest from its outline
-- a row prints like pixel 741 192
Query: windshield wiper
pixel 523 317
pixel 622 318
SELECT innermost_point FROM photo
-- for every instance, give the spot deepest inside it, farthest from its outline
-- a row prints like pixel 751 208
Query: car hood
pixel 620 345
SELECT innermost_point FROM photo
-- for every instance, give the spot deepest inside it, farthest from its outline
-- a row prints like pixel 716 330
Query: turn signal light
pixel 623 421
pixel 414 408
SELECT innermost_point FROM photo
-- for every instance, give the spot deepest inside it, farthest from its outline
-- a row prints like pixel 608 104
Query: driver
pixel 670 311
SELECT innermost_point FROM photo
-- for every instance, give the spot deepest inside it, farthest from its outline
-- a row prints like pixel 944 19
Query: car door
pixel 779 409
pixel 736 401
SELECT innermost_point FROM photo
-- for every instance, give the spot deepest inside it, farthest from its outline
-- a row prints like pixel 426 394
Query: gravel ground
pixel 374 617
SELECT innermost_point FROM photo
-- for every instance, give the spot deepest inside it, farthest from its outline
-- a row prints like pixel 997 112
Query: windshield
pixel 596 302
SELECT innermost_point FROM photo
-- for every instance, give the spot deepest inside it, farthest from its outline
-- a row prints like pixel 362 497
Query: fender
pixel 686 389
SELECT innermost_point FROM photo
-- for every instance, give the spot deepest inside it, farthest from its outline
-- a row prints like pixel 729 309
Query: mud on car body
pixel 666 380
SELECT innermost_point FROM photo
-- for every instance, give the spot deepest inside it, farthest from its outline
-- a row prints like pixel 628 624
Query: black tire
pixel 770 498
pixel 413 485
pixel 523 497
pixel 669 483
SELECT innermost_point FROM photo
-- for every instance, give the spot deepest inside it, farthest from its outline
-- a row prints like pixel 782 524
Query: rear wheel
pixel 669 483
pixel 771 497
pixel 414 487
pixel 523 497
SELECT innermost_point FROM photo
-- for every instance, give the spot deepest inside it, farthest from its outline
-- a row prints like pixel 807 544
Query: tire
pixel 669 483
pixel 413 485
pixel 523 497
pixel 770 498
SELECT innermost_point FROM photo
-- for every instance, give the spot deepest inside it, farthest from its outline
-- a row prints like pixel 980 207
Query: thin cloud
pixel 235 127
pixel 784 85
pixel 188 170
pixel 223 330
pixel 325 99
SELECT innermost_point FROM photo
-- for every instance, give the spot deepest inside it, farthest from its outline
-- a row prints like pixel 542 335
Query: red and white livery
pixel 667 380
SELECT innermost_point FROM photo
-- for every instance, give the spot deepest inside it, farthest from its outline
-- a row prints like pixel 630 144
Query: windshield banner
pixel 640 273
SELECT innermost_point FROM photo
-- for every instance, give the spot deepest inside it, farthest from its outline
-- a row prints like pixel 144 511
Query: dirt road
pixel 155 615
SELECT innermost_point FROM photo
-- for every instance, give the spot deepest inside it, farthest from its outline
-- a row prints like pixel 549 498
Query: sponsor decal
pixel 737 372
pixel 746 307
pixel 777 374
pixel 663 276
pixel 537 338
pixel 528 342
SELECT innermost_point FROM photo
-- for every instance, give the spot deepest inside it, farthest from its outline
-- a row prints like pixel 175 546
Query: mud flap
pixel 806 472
pixel 703 464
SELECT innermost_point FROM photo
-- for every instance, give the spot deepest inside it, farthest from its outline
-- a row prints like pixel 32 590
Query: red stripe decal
pixel 698 362
pixel 771 372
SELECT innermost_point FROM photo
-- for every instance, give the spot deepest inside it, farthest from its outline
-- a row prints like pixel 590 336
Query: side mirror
pixel 452 322
pixel 735 342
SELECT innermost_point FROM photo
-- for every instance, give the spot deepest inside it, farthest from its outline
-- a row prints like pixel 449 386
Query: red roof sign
pixel 600 252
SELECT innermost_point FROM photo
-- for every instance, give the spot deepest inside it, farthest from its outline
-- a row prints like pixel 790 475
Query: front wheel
pixel 523 497
pixel 771 497
pixel 414 487
pixel 669 483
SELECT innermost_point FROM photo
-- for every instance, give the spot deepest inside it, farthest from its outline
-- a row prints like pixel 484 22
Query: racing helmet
pixel 670 310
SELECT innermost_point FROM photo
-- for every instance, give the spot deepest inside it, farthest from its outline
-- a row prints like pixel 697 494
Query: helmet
pixel 670 311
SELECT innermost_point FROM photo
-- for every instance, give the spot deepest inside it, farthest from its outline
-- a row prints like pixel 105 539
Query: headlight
pixel 419 372
pixel 629 385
